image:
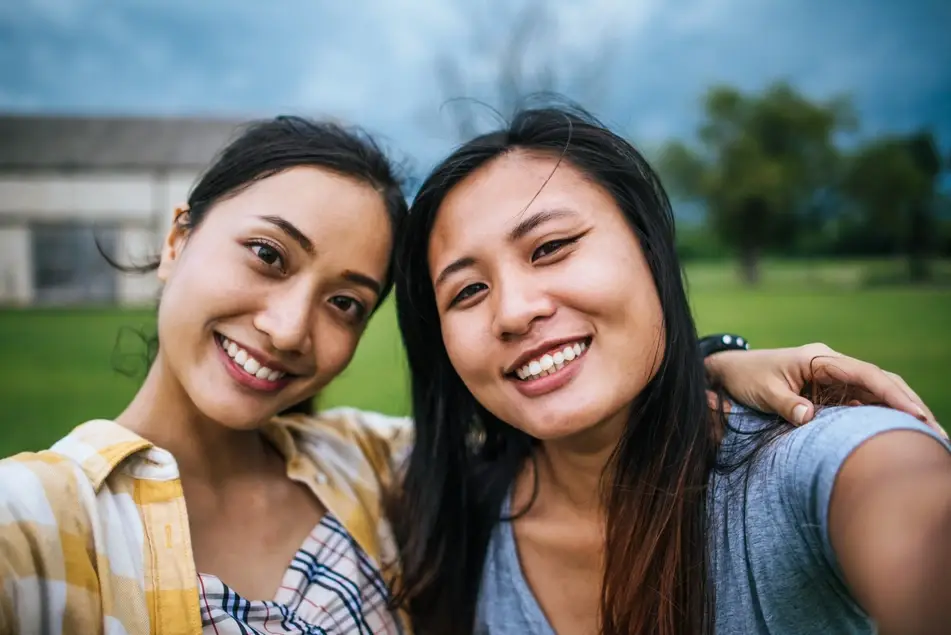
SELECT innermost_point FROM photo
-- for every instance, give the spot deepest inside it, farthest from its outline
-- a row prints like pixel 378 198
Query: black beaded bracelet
pixel 722 342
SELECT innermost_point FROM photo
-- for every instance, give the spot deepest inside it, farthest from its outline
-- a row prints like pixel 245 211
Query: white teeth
pixel 550 363
pixel 547 362
pixel 248 363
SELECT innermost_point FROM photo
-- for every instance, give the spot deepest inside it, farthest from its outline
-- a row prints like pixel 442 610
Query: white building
pixel 66 182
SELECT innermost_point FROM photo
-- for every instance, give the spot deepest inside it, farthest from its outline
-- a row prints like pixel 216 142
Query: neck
pixel 571 469
pixel 204 449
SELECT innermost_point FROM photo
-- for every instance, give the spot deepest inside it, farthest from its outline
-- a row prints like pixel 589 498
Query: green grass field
pixel 57 366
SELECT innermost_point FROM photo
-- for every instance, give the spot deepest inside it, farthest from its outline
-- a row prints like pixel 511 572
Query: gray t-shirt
pixel 773 566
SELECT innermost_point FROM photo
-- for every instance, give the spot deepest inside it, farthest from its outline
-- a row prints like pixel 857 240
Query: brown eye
pixel 467 292
pixel 349 306
pixel 267 254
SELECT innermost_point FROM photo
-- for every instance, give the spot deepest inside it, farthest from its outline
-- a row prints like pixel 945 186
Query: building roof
pixel 40 142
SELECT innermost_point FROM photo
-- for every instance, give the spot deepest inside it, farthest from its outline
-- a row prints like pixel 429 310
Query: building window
pixel 67 266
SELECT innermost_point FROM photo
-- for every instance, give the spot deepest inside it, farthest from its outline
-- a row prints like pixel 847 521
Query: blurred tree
pixel 764 164
pixel 520 53
pixel 894 181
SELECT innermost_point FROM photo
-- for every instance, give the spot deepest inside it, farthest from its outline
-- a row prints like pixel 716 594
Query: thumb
pixel 798 411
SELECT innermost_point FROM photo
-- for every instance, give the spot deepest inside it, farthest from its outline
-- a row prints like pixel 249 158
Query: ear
pixel 174 242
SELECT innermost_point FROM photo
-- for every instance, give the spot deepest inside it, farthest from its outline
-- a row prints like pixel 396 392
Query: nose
pixel 288 319
pixel 519 303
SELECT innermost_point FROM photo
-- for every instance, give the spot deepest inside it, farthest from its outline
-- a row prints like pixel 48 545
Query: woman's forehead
pixel 499 194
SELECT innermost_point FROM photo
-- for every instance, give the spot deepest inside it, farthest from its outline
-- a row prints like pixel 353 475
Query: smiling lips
pixel 551 362
pixel 248 370
pixel 247 363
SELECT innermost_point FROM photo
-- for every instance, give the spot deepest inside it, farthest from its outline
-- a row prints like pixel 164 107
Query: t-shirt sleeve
pixel 810 458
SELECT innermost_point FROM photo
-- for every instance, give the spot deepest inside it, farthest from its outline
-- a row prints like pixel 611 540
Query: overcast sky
pixel 373 62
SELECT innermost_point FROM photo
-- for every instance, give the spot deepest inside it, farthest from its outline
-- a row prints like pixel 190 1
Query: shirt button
pixel 321 478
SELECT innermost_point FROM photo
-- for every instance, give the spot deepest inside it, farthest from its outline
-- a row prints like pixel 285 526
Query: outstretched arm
pixel 890 528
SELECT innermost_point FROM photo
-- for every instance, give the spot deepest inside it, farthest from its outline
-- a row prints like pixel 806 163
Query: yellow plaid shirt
pixel 94 533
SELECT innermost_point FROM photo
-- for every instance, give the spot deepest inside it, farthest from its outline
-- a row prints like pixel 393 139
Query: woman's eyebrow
pixel 363 280
pixel 453 267
pixel 291 230
pixel 538 218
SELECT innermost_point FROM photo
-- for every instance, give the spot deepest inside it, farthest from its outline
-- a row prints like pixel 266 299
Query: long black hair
pixel 264 148
pixel 654 487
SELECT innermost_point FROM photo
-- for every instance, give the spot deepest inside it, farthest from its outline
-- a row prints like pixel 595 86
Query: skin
pixel 891 505
pixel 271 268
pixel 542 287
pixel 521 293
pixel 889 522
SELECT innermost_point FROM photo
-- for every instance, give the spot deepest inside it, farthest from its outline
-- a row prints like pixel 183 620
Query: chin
pixel 233 414
pixel 553 426
pixel 557 422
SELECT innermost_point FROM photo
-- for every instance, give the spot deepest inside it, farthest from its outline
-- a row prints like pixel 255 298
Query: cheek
pixel 218 272
pixel 619 295
pixel 223 291
pixel 335 346
pixel 467 351
pixel 637 339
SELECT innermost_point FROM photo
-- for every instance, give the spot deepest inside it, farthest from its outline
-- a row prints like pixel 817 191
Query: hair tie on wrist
pixel 722 342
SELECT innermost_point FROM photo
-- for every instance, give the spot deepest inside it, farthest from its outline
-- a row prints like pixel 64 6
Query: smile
pixel 247 370
pixel 552 362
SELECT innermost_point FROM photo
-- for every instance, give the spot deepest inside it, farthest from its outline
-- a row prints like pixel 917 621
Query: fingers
pixel 818 349
pixel 801 413
pixel 871 385
pixel 911 394
pixel 787 403
pixel 858 375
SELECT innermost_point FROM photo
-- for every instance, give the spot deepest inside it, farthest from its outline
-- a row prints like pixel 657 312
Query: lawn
pixel 58 366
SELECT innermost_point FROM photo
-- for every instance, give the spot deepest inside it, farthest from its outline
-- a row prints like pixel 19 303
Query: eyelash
pixel 361 310
pixel 260 242
pixel 355 305
pixel 556 245
pixel 462 295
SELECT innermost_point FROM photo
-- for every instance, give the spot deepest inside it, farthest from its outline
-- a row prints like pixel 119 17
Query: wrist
pixel 712 344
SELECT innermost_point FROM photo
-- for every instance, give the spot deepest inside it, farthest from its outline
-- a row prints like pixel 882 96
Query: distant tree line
pixel 770 172
pixel 775 172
